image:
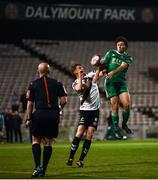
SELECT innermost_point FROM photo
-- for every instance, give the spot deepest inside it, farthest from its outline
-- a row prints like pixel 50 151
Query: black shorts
pixel 89 118
pixel 45 123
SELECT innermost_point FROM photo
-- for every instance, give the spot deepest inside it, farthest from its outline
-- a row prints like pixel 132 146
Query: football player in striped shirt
pixel 86 87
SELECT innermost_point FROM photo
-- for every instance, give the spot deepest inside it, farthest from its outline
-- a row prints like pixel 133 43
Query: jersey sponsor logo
pixel 116 60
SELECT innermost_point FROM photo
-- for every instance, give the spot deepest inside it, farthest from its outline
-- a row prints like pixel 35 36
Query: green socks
pixel 125 115
pixel 115 120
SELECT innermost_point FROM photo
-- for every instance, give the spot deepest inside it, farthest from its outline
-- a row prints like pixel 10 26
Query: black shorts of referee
pixel 45 123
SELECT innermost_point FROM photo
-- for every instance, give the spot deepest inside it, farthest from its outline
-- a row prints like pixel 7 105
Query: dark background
pixel 13 30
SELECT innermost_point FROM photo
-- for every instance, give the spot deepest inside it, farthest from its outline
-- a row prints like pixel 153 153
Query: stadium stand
pixel 19 62
pixel 15 64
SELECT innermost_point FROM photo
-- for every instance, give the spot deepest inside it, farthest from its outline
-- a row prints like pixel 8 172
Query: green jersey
pixel 114 59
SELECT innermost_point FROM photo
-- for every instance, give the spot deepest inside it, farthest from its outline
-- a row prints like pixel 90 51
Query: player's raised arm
pixel 101 68
pixel 78 86
pixel 97 75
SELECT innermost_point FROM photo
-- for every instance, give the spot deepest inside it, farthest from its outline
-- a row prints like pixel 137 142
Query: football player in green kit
pixel 117 62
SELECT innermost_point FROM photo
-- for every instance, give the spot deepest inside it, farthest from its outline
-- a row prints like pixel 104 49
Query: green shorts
pixel 113 88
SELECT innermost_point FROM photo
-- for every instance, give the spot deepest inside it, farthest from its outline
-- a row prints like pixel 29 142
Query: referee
pixel 47 94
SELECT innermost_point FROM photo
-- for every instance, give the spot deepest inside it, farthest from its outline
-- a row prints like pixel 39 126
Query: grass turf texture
pixel 106 159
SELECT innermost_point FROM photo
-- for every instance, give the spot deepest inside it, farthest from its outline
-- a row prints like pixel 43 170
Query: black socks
pixel 74 147
pixel 46 156
pixel 36 150
pixel 86 146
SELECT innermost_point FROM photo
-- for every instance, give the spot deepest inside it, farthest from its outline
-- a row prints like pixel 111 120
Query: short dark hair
pixel 122 38
pixel 73 68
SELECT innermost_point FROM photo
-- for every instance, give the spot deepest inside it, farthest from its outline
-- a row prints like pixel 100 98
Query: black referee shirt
pixel 45 92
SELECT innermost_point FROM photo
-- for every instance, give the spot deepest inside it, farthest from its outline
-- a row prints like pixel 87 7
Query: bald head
pixel 43 69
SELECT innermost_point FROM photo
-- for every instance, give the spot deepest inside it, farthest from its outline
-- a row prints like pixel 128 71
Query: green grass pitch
pixel 106 159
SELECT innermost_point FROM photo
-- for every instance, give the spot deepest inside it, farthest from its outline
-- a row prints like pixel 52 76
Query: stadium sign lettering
pixel 36 13
pixel 119 14
pixel 73 13
pixel 78 13
pixel 63 13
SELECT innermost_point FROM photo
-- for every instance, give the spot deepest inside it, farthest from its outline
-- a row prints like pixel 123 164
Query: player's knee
pixel 47 143
pixel 89 136
pixel 115 108
pixel 90 133
pixel 36 140
pixel 126 106
pixel 115 105
pixel 79 134
pixel 80 131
